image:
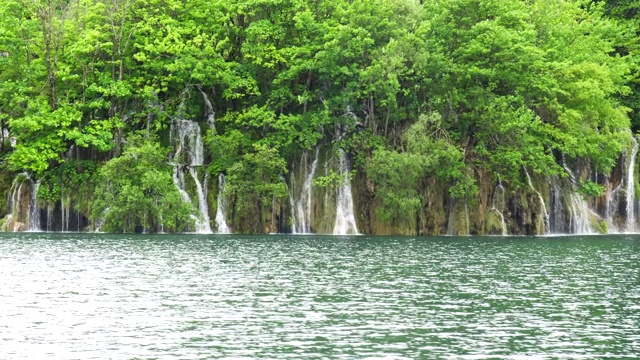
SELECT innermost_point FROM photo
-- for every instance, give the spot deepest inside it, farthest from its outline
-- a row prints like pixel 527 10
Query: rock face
pixel 326 197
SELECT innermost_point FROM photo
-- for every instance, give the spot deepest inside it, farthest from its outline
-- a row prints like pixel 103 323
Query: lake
pixel 101 296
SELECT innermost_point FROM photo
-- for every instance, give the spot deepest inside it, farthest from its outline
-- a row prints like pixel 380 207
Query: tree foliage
pixel 504 85
pixel 135 192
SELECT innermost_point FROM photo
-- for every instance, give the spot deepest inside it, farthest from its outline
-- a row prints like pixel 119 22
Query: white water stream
pixel 23 219
pixel 34 212
pixel 221 220
pixel 345 218
pixel 189 149
pixel 579 211
pixel 543 206
pixel 630 189
pixel 203 226
pixel 301 207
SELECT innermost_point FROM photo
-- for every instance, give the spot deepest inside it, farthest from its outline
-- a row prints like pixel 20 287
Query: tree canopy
pixel 414 89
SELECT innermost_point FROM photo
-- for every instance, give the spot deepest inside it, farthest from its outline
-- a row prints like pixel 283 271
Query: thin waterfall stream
pixel 630 188
pixel 34 211
pixel 579 222
pixel 203 225
pixel 301 207
pixel 543 206
pixel 22 205
pixel 189 153
pixel 221 221
pixel 345 217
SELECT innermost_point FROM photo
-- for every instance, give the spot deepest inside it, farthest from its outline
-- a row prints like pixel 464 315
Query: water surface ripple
pixel 84 296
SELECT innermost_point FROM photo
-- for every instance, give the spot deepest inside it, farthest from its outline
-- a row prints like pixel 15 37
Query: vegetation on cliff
pixel 418 92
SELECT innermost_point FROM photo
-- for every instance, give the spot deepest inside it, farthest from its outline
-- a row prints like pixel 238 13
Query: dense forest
pixel 328 116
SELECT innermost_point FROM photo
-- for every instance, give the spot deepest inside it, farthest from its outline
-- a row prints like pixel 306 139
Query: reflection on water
pixel 88 296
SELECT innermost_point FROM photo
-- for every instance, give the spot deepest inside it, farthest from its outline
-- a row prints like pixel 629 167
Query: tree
pixel 135 192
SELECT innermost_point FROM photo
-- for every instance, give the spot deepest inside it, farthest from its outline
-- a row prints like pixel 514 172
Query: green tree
pixel 399 176
pixel 135 192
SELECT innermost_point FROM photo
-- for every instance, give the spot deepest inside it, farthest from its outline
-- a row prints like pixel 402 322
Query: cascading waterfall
pixel 14 205
pixel 547 226
pixel 221 219
pixel 209 114
pixel 50 208
pixel 630 188
pixel 467 220
pixel 203 226
pixel 188 139
pixel 579 222
pixel 34 211
pixel 302 207
pixel 178 180
pixel 450 223
pixel 189 148
pixel 503 225
pixel 326 218
pixel 292 203
pixel 24 214
pixel 345 218
pixel 612 200
pixel 65 209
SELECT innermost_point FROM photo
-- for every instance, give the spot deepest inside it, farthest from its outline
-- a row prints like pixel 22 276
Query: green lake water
pixel 86 296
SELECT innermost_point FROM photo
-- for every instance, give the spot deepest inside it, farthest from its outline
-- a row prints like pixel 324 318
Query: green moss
pixel 598 224
pixel 6 180
pixel 493 223
pixel 3 223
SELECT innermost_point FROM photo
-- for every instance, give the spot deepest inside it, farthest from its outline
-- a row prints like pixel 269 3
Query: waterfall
pixel 503 225
pixel 62 217
pixel 208 114
pixel 65 209
pixel 221 221
pixel 630 188
pixel 34 211
pixel 178 181
pixel 50 208
pixel 466 218
pixel 345 218
pixel 612 200
pixel 22 204
pixel 579 221
pixel 542 204
pixel 188 138
pixel 301 208
pixel 189 153
pixel 622 220
pixel 579 212
pixel 14 205
pixel 450 221
pixel 203 226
